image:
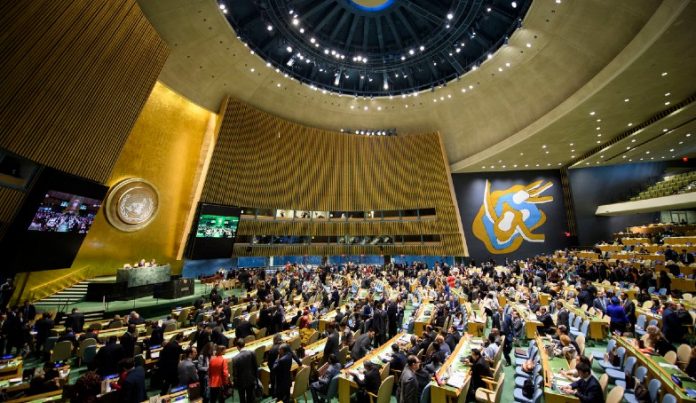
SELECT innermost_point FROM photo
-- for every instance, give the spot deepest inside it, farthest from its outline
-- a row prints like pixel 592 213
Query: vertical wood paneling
pixel 75 75
pixel 263 161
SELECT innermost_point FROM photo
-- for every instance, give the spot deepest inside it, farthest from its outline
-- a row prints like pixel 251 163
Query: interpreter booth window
pixel 385 240
pixel 338 216
pixel 244 239
pixel 410 215
pixel 265 214
pixel 320 215
pixel 373 215
pixel 342 240
pixel 303 215
pixel 391 215
pixel 431 239
pixel 247 213
pixel 412 239
pixel 427 213
pixel 356 216
pixel 262 240
pixel 285 214
pixel 321 240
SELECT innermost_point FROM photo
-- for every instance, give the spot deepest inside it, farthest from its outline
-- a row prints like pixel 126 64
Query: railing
pixel 44 290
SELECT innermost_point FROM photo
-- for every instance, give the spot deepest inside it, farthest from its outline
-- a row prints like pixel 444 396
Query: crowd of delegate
pixel 350 310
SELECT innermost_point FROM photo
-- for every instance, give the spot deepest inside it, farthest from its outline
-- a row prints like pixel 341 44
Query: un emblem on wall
pixel 132 204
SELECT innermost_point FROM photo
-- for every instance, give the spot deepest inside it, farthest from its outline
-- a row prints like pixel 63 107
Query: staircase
pixel 66 296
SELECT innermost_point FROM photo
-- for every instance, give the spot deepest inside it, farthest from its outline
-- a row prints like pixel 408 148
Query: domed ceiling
pixel 375 47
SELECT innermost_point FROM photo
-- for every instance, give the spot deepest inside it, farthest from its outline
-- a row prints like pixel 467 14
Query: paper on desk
pixel 667 365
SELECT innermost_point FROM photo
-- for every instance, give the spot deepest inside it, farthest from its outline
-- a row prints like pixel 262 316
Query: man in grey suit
pixel 362 345
pixel 408 385
pixel 244 373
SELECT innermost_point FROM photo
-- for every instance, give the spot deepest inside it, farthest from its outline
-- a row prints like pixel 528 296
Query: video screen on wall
pixel 54 220
pixel 217 226
pixel 214 233
pixel 64 212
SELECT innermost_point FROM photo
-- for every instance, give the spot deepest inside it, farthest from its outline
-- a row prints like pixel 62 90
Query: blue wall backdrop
pixel 593 187
pixel 470 190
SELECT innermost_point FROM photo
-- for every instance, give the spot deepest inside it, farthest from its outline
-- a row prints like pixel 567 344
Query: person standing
pixel 479 369
pixel 169 363
pixel 408 384
pixel 188 373
pixel 244 371
pixel 128 341
pixel 281 369
pixel 616 312
pixel 332 342
pixel 218 375
pixel 43 328
pixel 202 366
pixel 133 387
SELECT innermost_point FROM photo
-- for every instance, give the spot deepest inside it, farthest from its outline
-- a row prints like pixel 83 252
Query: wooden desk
pixel 314 350
pixel 658 368
pixel 551 367
pixel 345 380
pixel 599 328
pixel 422 317
pixel 453 366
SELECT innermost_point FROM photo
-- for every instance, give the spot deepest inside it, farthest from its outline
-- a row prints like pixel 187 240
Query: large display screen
pixel 217 226
pixel 214 233
pixel 64 212
pixel 57 213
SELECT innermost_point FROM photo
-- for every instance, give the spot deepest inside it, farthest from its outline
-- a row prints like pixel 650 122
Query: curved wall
pixel 263 161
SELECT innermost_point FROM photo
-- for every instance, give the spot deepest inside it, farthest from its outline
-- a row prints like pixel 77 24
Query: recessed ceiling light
pixel 630 124
pixel 671 150
pixel 295 22
pixel 450 15
pixel 592 113
pixel 521 153
pixel 628 148
pixel 681 142
pixel 688 134
pixel 558 1
pixel 598 141
pixel 668 94
pixel 599 120
pixel 270 27
pixel 483 167
pixel 665 130
pixel 598 128
pixel 537 164
pixel 633 141
pixel 572 156
pixel 252 70
pixel 623 156
pixel 572 151
pixel 492 166
pixel 647 152
pixel 526 165
pixel 547 152
pixel 599 134
pixel 548 164
pixel 543 146
pixel 504 166
pixel 571 144
pixel 529 45
pixel 626 99
pixel 514 166
pixel 514 4
pixel 664 73
pixel 667 103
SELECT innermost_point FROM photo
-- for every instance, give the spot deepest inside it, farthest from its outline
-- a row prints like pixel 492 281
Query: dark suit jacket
pixel 408 388
pixel 360 347
pixel 331 347
pixel 76 321
pixel 107 359
pixel 244 369
pixel 281 368
pixel 371 382
pixel 133 389
pixel 588 391
pixel 243 329
pixel 128 342
pixel 478 370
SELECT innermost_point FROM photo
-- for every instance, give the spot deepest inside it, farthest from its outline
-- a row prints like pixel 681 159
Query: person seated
pixel 321 386
pixel 479 370
pixel 370 382
pixel 691 366
pixel 45 379
pixel 398 358
pixel 546 320
pixel 587 388
pixel 572 374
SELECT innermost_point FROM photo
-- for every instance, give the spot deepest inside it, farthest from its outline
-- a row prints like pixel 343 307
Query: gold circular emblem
pixel 132 204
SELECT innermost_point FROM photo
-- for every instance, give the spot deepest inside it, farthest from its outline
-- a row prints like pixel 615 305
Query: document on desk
pixel 667 365
pixel 456 380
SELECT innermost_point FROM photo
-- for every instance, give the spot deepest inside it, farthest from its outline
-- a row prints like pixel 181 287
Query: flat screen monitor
pixel 56 216
pixel 214 232
pixel 217 226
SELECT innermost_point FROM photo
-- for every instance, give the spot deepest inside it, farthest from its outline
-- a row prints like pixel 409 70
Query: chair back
pixel 603 383
pixel 384 371
pixel 669 398
pixel 640 322
pixel 641 372
pixel 61 351
pixel 615 395
pixel 683 355
pixel 259 352
pixel 342 354
pixel 581 343
pixel 630 363
pixel 333 389
pixel 50 343
pixel 647 304
pixel 653 322
pixel 170 327
pixel 249 338
pixel 654 388
pixel 385 390
pixel 499 388
pixel 621 353
pixel 313 338
pixel 88 354
pixel 425 395
pixel 83 345
pixel 295 343
pixel 671 357
pixel 261 333
pixel 301 383
pixel 585 327
pixel 576 323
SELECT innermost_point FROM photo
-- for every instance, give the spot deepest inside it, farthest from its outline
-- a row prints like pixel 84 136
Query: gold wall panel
pixel 75 75
pixel 164 149
pixel 264 161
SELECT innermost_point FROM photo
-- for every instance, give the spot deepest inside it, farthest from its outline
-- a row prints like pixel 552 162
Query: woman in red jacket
pixel 218 376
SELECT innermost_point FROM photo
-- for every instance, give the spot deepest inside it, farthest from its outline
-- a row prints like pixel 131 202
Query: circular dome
pixel 375 47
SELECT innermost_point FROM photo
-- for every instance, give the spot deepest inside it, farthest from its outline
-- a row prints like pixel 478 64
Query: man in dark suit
pixel 547 321
pixel 671 254
pixel 169 363
pixel 76 320
pixel 398 359
pixel 133 388
pixel 370 383
pixel 409 392
pixel 686 257
pixel 281 369
pixel 243 329
pixel 29 311
pixel 128 341
pixel 244 370
pixel 335 297
pixel 107 357
pixel 587 388
pixel 562 315
pixel 362 345
pixel 392 319
pixel 479 369
pixel 43 328
pixel 89 334
pixel 332 342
